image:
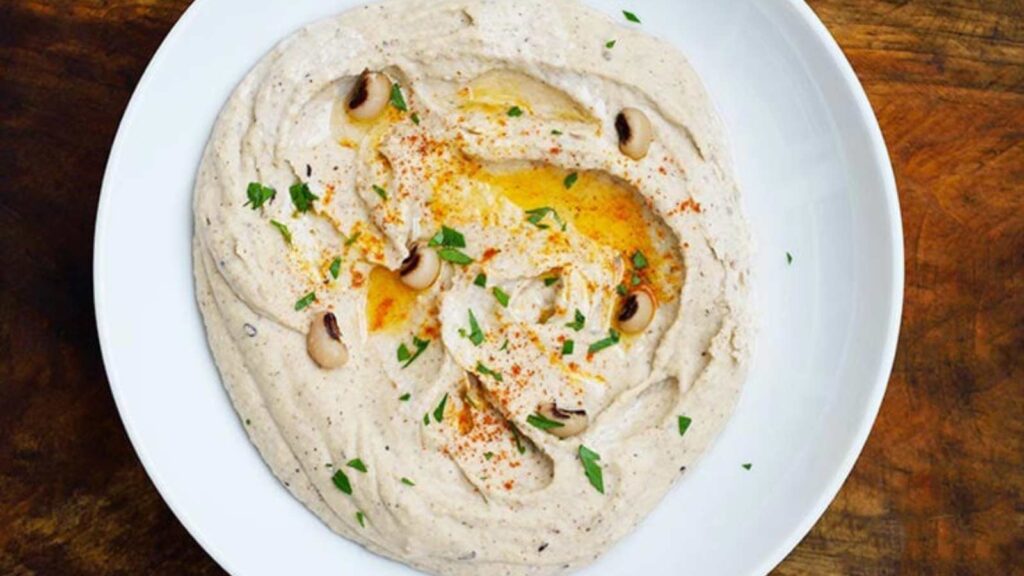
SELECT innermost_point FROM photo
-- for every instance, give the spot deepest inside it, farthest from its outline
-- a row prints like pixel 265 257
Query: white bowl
pixel 816 183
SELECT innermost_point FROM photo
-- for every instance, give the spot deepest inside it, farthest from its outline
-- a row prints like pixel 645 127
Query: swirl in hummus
pixel 475 277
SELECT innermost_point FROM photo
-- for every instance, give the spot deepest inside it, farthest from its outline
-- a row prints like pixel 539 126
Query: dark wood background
pixel 938 490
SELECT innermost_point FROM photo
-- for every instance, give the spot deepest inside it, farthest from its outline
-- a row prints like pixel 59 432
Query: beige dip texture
pixel 499 152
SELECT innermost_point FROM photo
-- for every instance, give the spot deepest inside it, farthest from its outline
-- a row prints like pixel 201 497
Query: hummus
pixel 474 329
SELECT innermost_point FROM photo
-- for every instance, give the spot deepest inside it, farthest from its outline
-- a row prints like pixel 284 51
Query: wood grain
pixel 938 490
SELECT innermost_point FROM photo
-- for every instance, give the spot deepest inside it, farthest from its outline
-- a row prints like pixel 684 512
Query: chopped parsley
pixel 439 411
pixel 407 357
pixel 684 424
pixel 488 455
pixel 636 279
pixel 748 466
pixel 380 192
pixel 591 468
pixel 578 322
pixel 789 258
pixel 515 111
pixel 405 397
pixel 476 335
pixel 397 100
pixel 501 296
pixel 352 239
pixel 302 198
pixel 426 419
pixel 488 372
pixel 611 340
pixel 335 268
pixel 480 280
pixel 629 16
pixel 518 440
pixel 567 347
pixel 542 423
pixel 556 132
pixel 536 215
pixel 415 118
pixel 357 464
pixel 621 289
pixel 361 518
pixel 407 482
pixel 283 230
pixel 570 180
pixel 639 260
pixel 551 280
pixel 609 44
pixel 341 481
pixel 258 194
pixel 455 256
pixel 448 237
pixel 305 301
pixel 504 346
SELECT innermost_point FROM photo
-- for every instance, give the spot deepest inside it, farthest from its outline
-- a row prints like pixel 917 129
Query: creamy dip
pixel 507 418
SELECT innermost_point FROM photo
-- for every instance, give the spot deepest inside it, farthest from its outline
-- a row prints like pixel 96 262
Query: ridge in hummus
pixel 475 282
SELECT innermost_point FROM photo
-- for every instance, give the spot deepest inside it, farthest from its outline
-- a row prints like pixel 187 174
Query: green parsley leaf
pixel 335 268
pixel 611 340
pixel 542 423
pixel 748 466
pixel 476 336
pixel 426 419
pixel 636 279
pixel 415 118
pixel 357 464
pixel 591 468
pixel 570 180
pixel 405 397
pixel 480 280
pixel 302 198
pixel 518 440
pixel 536 215
pixel 488 372
pixel 621 289
pixel 630 16
pixel 283 230
pixel 420 346
pixel 789 258
pixel 352 239
pixel 556 132
pixel 504 346
pixel 609 44
pixel 305 301
pixel 488 455
pixel 439 411
pixel 454 256
pixel 579 322
pixel 380 192
pixel 639 260
pixel 500 296
pixel 567 347
pixel 684 424
pixel 403 353
pixel 448 237
pixel 258 194
pixel 407 482
pixel 341 481
pixel 551 280
pixel 397 100
pixel 515 111
pixel 361 518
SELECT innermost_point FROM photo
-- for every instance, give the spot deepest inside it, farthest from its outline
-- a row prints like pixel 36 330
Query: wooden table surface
pixel 939 489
